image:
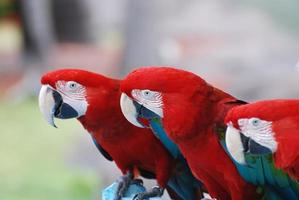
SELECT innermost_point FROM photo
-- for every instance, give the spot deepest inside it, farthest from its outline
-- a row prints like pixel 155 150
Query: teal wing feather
pixel 183 182
pixel 159 132
pixel 261 171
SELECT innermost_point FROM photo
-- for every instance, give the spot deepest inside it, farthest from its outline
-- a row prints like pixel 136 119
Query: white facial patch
pixel 234 144
pixel 260 131
pixel 152 100
pixel 74 95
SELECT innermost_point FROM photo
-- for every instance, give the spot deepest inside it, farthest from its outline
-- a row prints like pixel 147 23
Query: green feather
pixel 273 183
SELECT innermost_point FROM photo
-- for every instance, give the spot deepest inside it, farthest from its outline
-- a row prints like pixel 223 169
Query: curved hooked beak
pixel 130 110
pixel 134 111
pixel 238 144
pixel 234 144
pixel 51 105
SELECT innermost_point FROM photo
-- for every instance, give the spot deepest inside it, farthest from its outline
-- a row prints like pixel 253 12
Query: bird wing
pixel 102 150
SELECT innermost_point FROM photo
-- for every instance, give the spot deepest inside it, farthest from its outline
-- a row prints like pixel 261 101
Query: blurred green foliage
pixel 33 154
pixel 7 7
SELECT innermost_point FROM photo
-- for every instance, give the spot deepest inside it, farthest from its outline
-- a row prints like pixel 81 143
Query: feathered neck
pixel 104 114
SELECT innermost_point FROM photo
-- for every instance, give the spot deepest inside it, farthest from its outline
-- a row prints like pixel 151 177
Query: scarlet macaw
pixel 189 111
pixel 267 129
pixel 94 100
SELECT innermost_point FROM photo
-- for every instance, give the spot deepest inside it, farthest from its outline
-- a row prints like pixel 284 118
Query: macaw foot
pixel 154 192
pixel 123 184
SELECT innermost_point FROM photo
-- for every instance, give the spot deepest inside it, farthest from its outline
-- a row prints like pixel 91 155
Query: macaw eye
pixel 255 121
pixel 72 85
pixel 147 93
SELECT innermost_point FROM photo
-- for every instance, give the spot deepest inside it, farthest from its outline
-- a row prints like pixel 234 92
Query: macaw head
pixel 70 93
pixel 258 128
pixel 173 96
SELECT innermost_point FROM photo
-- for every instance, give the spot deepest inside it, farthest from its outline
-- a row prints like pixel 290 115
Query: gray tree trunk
pixel 141 35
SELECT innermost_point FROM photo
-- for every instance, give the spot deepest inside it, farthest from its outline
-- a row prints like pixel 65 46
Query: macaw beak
pixel 51 105
pixel 234 144
pixel 238 144
pixel 130 110
pixel 133 111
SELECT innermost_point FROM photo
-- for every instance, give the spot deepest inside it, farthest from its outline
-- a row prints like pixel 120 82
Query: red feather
pixel 192 110
pixel 130 147
pixel 284 115
pixel 287 135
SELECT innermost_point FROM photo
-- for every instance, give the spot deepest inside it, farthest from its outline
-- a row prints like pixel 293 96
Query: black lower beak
pixel 245 142
pixel 63 110
pixel 145 113
pixel 258 149
pixel 250 146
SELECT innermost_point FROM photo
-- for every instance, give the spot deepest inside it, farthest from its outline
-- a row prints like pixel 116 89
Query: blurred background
pixel 248 48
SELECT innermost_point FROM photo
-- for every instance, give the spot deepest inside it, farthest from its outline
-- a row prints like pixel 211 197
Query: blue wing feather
pixel 183 183
pixel 102 150
pixel 261 171
pixel 159 132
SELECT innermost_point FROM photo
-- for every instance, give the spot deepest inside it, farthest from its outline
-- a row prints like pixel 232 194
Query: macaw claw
pixel 154 192
pixel 123 184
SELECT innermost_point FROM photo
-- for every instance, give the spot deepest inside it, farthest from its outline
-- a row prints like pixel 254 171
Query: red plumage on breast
pixel 283 114
pixel 286 133
pixel 130 147
pixel 206 157
pixel 192 111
